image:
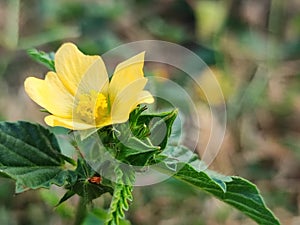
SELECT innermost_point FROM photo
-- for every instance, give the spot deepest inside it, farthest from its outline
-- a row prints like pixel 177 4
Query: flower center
pixel 92 107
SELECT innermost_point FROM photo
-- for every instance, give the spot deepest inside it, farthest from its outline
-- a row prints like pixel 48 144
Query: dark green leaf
pixel 182 154
pixel 83 187
pixel 30 154
pixel 235 191
pixel 240 193
pixel 89 191
pixel 44 58
pixel 142 159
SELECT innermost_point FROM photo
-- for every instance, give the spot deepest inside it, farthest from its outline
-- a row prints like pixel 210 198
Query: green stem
pixel 80 212
pixel 81 156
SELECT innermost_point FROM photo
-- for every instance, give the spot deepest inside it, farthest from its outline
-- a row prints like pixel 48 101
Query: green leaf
pixel 137 146
pixel 137 152
pixel 160 126
pixel 89 191
pixel 235 191
pixel 142 159
pixel 175 156
pixel 240 193
pixel 83 187
pixel 30 155
pixel 44 58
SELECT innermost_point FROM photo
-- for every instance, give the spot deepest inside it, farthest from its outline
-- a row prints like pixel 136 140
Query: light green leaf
pixel 30 155
pixel 44 58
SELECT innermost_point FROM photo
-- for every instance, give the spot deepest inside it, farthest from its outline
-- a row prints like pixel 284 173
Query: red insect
pixel 95 180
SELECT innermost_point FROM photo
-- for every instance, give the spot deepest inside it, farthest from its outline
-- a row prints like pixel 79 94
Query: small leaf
pixel 30 154
pixel 44 58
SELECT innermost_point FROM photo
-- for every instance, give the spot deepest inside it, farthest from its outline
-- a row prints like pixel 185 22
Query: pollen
pixel 92 107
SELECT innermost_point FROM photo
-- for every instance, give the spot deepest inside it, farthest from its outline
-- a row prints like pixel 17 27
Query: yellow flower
pixel 79 94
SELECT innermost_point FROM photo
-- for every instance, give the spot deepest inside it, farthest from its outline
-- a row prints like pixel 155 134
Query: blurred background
pixel 253 49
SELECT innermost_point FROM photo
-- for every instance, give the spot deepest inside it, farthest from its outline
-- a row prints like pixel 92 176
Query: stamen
pixel 92 107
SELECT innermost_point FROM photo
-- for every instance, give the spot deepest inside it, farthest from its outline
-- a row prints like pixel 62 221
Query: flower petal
pixel 128 99
pixel 69 123
pixel 126 73
pixel 145 97
pixel 71 65
pixel 50 94
pixel 95 78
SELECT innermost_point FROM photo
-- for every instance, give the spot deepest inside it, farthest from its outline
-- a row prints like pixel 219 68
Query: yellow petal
pixel 126 73
pixel 145 97
pixel 95 78
pixel 71 65
pixel 50 94
pixel 128 99
pixel 69 123
pixel 72 123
